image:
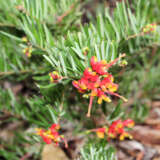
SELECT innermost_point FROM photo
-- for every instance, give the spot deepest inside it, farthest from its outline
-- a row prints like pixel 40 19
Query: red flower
pixel 51 135
pixel 117 128
pixel 90 75
pixel 81 85
pixel 128 123
pixel 55 77
pixel 102 96
pixel 100 132
pixel 108 85
pixel 150 28
pixel 98 67
pixel 28 51
pixel 96 81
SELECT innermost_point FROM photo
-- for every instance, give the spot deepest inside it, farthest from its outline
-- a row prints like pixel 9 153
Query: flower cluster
pixel 150 28
pixel 116 129
pixel 28 51
pixel 97 82
pixel 51 135
pixel 85 51
pixel 24 39
pixel 55 77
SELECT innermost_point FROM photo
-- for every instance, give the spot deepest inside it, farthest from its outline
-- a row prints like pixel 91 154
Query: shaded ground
pixel 146 143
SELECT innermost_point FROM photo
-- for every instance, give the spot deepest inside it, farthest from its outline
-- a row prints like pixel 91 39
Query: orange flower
pixel 51 135
pixel 100 132
pixel 55 77
pixel 150 28
pixel 117 128
pixel 28 51
pixel 24 39
pixel 97 82
pixel 85 50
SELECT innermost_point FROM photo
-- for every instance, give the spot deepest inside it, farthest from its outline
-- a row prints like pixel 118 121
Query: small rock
pixel 51 152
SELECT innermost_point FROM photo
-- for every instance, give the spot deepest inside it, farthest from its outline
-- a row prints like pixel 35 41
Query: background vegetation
pixel 58 31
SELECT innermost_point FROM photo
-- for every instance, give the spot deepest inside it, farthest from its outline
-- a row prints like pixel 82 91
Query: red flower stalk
pixel 51 135
pixel 97 82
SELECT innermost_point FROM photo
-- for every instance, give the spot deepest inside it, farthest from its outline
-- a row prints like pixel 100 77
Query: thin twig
pixel 26 156
pixel 135 35
pixel 7 25
pixel 19 72
pixel 60 18
pixel 13 72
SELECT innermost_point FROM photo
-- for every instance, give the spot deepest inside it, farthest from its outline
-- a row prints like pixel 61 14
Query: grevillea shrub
pixel 66 69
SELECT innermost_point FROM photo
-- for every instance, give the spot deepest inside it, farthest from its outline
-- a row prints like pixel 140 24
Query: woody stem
pixel 90 106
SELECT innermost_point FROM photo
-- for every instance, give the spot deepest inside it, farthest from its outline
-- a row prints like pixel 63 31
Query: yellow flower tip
pixel 24 50
pixel 121 138
pixel 95 59
pixel 120 125
pixel 123 55
pixel 104 62
pixel 125 100
pixel 51 80
pixel 38 130
pixel 100 135
pixel 112 88
pixel 88 115
pixel 55 73
pixel 27 51
pixel 29 55
pixel 131 125
pixel 103 88
pixel 89 69
pixel 123 63
pixel 85 95
pixel 108 100
pixel 99 100
pixel 96 85
pixel 106 130
pixel 58 127
pixel 111 135
pixel 112 79
pixel 83 87
pixel 93 94
pixel 85 50
pixel 130 137
pixel 24 39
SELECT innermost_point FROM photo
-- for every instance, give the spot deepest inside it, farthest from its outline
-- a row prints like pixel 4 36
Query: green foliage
pixel 57 36
pixel 99 151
